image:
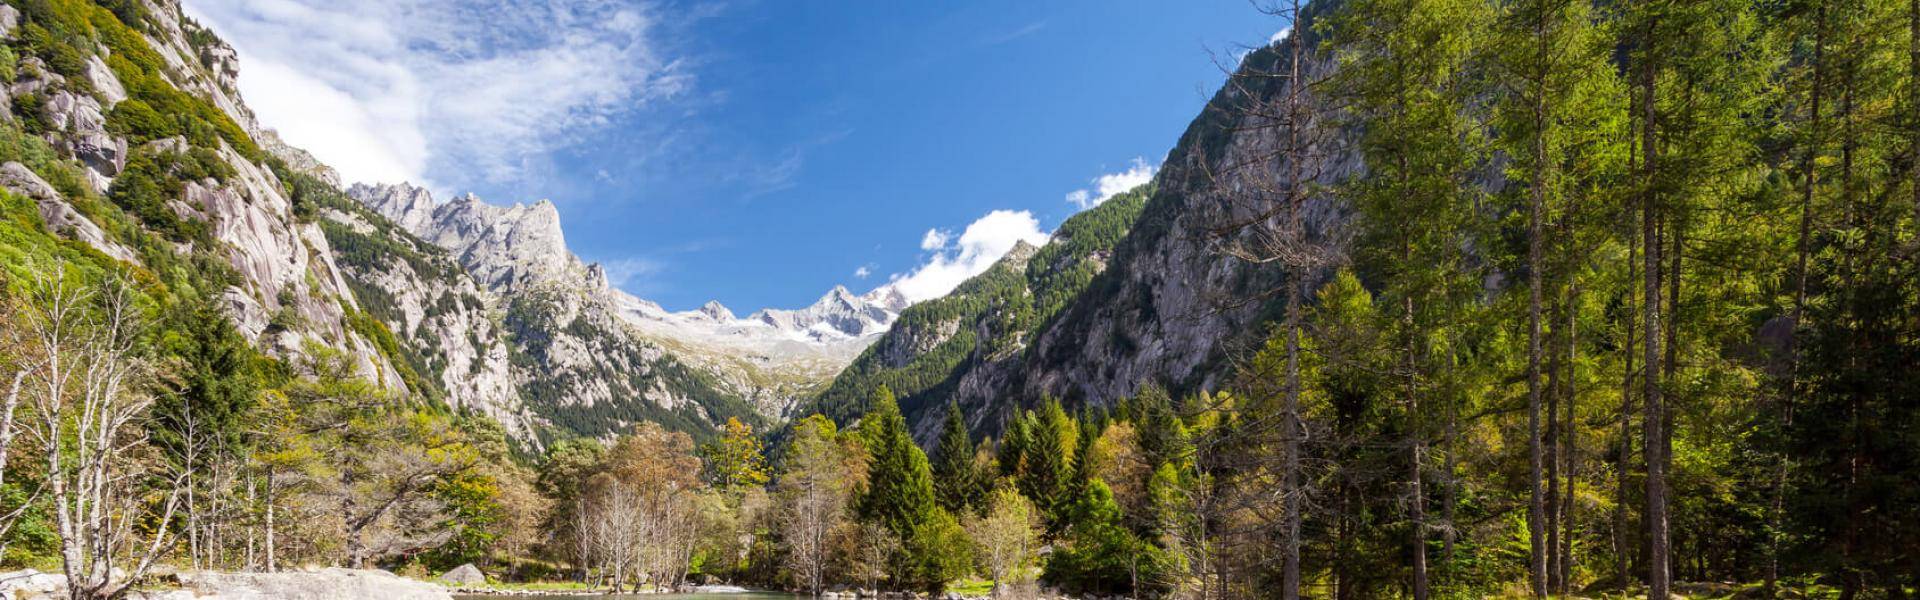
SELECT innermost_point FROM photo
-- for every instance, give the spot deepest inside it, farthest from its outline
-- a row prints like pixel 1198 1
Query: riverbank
pixel 315 584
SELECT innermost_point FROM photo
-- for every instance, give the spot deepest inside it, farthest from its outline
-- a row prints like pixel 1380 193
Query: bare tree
pixel 815 491
pixel 1006 538
pixel 89 397
pixel 21 361
pixel 641 517
pixel 1267 185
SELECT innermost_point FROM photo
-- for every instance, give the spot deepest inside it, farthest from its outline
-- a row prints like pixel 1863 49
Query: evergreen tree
pixel 900 496
pixel 1403 68
pixel 1048 470
pixel 1100 556
pixel 900 482
pixel 957 485
pixel 1012 454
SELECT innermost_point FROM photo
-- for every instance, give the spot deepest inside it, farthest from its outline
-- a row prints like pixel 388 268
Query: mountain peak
pixel 713 309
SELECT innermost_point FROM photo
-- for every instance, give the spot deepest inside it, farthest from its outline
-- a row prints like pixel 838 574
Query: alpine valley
pixel 1432 298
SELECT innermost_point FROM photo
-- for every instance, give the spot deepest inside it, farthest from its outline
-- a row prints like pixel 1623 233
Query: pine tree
pixel 1012 454
pixel 1048 469
pixel 899 481
pixel 1402 67
pixel 957 486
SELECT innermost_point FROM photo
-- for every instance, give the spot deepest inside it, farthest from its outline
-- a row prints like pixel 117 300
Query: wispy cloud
pixel 482 90
pixel 953 260
pixel 863 272
pixel 1011 35
pixel 626 271
pixel 1108 185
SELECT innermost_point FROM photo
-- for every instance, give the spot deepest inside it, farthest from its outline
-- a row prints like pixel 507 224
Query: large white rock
pixel 28 583
pixel 465 575
pixel 324 584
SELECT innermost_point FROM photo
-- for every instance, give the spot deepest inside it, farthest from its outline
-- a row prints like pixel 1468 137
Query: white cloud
pixel 1279 35
pixel 935 239
pixel 622 271
pixel 390 90
pixel 863 272
pixel 977 248
pixel 1108 185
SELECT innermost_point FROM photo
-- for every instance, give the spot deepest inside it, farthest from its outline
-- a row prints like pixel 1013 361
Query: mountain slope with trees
pixel 964 347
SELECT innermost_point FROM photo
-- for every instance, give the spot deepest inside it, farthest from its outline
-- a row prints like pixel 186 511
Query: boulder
pixel 324 584
pixel 9 19
pixel 465 575
pixel 28 583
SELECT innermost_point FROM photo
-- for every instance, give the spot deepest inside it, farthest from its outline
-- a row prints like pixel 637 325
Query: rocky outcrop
pixel 198 61
pixel 505 248
pixel 75 121
pixel 298 160
pixel 30 583
pixel 450 326
pixel 464 575
pixel 59 216
pixel 585 348
pixel 1166 306
pixel 320 584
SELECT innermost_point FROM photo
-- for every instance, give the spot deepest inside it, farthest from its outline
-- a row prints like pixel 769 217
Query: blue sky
pixel 754 152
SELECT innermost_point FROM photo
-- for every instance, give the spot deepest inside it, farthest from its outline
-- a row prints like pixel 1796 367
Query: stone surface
pixel 59 216
pixel 465 575
pixel 323 584
pixel 29 583
pixel 9 19
pixel 586 329
pixel 105 82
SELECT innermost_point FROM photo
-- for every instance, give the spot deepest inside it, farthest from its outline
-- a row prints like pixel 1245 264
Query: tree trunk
pixel 1810 178
pixel 1552 450
pixel 1416 457
pixel 1296 281
pixel 1623 461
pixel 1571 439
pixel 1655 419
pixel 1536 505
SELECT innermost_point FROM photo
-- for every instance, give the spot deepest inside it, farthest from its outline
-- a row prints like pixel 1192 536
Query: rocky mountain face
pixel 124 132
pixel 206 210
pixel 1158 303
pixel 592 359
pixel 974 344
pixel 1172 308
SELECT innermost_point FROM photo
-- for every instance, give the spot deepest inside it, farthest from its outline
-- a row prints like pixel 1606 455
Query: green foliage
pixel 957 486
pixel 215 384
pixel 9 65
pixel 900 483
pixel 1046 474
pixel 67 32
pixel 1099 556
pixel 1013 302
pixel 736 460
pixel 153 178
pixel 937 552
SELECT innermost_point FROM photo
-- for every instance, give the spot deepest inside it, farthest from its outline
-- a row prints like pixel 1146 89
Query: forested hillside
pixel 963 348
pixel 1455 298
